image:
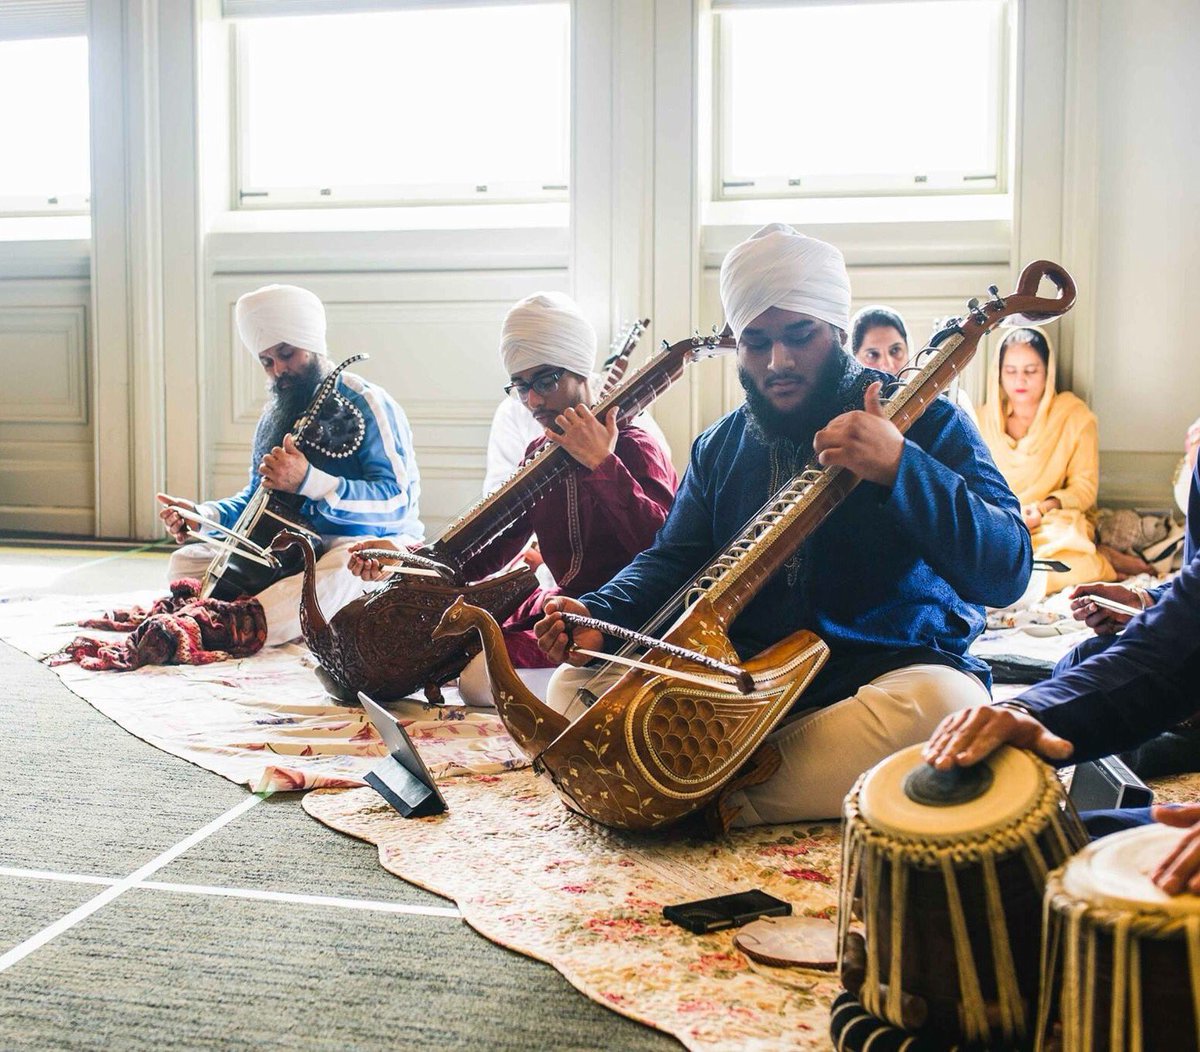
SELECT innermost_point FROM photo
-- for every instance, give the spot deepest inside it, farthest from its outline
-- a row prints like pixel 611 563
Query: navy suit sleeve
pixel 680 548
pixel 950 496
pixel 1143 684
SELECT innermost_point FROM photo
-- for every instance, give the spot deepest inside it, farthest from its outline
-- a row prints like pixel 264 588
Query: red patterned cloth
pixel 179 629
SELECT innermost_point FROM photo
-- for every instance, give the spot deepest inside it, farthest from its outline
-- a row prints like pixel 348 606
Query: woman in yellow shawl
pixel 1046 444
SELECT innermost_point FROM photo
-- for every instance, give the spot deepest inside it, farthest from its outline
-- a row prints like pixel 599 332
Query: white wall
pixel 148 388
pixel 1146 383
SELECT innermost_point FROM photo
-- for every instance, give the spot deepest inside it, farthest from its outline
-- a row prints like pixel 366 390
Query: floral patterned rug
pixel 534 878
pixel 263 721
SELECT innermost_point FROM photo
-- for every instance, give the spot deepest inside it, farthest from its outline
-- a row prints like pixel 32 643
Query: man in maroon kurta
pixel 590 526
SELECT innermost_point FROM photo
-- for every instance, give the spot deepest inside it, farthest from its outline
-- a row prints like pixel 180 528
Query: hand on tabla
pixel 284 468
pixel 552 635
pixel 1180 870
pixel 966 737
pixel 177 526
pixel 864 442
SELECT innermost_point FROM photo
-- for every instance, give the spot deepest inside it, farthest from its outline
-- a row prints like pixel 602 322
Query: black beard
pixel 290 395
pixel 829 397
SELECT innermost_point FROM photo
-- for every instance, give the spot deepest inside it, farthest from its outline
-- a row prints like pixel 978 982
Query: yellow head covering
pixel 1024 461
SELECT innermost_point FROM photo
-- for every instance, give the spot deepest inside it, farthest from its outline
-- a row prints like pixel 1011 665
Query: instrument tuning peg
pixel 666 346
pixel 997 299
pixel 977 311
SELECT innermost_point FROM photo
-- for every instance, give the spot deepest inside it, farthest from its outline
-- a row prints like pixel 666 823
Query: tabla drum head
pixel 966 804
pixel 1114 873
pixel 801 942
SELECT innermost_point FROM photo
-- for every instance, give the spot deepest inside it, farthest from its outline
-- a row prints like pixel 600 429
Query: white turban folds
pixel 779 267
pixel 278 314
pixel 547 329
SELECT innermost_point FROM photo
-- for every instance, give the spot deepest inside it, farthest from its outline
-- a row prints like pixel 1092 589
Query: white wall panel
pixel 46 452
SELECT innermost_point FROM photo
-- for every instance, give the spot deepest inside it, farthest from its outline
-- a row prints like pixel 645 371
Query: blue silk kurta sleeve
pixel 1141 685
pixel 1146 681
pixel 952 502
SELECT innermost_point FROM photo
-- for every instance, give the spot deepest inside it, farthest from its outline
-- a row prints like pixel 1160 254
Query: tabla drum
pixel 942 881
pixel 1121 966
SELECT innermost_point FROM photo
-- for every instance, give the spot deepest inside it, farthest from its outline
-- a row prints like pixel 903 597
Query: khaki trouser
pixel 825 750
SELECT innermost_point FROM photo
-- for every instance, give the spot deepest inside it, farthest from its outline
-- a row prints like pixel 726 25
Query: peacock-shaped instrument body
pixel 384 643
pixel 675 728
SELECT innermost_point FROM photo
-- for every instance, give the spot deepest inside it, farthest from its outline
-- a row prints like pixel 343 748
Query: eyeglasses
pixel 543 384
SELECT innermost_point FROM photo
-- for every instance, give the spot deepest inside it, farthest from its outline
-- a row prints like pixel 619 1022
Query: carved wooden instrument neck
pixel 501 509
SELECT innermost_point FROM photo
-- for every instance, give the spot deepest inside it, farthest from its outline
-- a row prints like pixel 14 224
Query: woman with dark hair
pixel 1046 444
pixel 879 339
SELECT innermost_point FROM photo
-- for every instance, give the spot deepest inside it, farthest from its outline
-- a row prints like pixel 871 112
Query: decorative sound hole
pixel 688 737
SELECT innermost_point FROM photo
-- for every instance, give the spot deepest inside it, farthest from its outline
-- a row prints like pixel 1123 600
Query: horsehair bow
pixel 407 560
pixel 743 680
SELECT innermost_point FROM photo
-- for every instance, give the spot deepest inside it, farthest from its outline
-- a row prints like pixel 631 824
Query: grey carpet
pixel 153 971
pixel 27 906
pixel 158 969
pixel 305 857
pixel 82 795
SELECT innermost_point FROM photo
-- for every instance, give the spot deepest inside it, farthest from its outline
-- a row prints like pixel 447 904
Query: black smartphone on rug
pixel 726 911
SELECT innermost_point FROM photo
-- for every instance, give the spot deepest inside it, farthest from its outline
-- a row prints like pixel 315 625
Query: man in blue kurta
pixel 369 490
pixel 898 624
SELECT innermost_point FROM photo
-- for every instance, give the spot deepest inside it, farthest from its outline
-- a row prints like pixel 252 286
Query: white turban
pixel 547 329
pixel 278 314
pixel 779 267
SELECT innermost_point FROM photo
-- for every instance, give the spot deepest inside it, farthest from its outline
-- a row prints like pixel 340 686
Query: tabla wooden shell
pixel 948 897
pixel 1121 968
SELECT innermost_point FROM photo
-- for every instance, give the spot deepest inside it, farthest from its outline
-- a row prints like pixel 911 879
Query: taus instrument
pixel 244 563
pixel 383 643
pixel 657 745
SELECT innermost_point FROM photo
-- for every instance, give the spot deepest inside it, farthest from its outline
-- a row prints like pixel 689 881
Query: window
pixel 44 126
pixel 417 106
pixel 862 99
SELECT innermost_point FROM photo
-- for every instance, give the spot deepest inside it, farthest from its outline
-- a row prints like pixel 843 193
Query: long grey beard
pixel 283 408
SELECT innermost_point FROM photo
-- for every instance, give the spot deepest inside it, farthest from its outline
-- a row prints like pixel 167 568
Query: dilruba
pixel 674 729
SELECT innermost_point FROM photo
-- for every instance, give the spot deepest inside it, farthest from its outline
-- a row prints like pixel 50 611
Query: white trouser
pixel 336 585
pixel 475 689
pixel 825 750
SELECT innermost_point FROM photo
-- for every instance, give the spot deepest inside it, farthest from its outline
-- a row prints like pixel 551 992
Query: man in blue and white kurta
pixel 372 492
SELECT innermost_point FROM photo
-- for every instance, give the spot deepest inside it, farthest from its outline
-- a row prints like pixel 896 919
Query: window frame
pixel 730 186
pixel 38 206
pixel 247 198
